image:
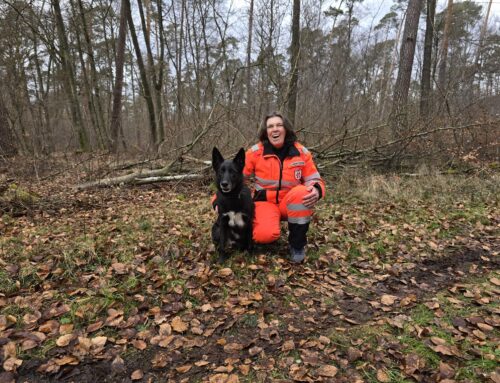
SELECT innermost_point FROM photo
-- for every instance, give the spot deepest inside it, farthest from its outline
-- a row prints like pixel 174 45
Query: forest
pixel 109 111
pixel 177 77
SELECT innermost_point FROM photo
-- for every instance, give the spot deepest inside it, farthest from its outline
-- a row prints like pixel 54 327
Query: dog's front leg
pixel 249 239
pixel 221 248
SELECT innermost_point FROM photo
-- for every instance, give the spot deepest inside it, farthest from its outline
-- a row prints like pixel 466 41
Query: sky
pixel 376 9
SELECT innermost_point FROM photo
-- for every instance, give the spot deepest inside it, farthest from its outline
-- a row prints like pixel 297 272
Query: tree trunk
pixel 477 60
pixel 159 80
pixel 294 61
pixel 95 91
pixel 151 70
pixel 249 55
pixel 86 86
pixel 116 115
pixel 407 52
pixel 69 81
pixel 442 82
pixel 144 78
pixel 7 142
pixel 425 93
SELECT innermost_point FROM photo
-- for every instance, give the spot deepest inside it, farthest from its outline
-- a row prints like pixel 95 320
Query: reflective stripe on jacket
pixel 276 178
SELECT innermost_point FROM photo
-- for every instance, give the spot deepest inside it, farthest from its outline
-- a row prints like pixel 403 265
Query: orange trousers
pixel 266 224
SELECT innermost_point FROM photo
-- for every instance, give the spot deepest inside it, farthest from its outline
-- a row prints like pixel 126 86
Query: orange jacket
pixel 273 179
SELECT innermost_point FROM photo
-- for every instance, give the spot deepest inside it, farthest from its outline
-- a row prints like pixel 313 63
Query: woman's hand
pixel 311 198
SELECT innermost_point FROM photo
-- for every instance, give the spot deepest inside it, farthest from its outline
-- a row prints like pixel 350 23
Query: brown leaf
pixel 207 307
pixel 84 343
pixel 160 360
pixel 413 363
pixel 388 300
pixel 56 311
pixel 288 346
pixel 495 281
pixel 327 370
pixel 137 375
pixel 324 340
pixel 178 325
pixel 49 367
pixel 162 341
pixel 64 340
pixel 50 326
pixel 254 350
pixel 165 329
pixel 479 334
pixel 94 326
pixel 31 319
pixel 398 321
pixel 99 341
pixel 226 272
pixel 233 347
pixel 6 321
pixel 10 350
pixel 495 377
pixel 201 363
pixel 183 369
pixel 485 327
pixel 119 268
pixel 244 369
pixel 438 341
pixel 442 349
pixel 298 373
pixel 28 344
pixel 67 359
pixel 353 354
pixel 382 376
pixel 12 364
pixel 445 370
pixel 66 328
pixel 139 344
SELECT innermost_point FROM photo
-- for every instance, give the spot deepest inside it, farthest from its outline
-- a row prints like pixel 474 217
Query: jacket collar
pixel 292 150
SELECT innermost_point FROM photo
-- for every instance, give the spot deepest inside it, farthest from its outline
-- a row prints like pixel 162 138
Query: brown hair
pixel 290 135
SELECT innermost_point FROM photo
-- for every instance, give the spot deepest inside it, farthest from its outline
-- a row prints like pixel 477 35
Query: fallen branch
pixel 180 177
pixel 131 178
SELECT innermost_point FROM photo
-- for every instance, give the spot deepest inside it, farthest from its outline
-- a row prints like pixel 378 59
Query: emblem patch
pixel 298 174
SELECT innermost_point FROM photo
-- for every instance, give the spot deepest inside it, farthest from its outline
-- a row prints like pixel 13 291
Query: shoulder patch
pixel 305 150
pixel 254 148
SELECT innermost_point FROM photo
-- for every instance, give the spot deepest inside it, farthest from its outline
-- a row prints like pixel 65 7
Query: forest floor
pixel 400 284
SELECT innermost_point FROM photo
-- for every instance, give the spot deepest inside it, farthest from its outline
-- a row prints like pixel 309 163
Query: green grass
pixel 7 284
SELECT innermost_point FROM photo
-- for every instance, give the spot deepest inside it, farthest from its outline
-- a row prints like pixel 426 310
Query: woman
pixel 287 184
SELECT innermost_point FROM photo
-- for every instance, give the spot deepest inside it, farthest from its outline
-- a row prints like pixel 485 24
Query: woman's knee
pixel 264 235
pixel 297 193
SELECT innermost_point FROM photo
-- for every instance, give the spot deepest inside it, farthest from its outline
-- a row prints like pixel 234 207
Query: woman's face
pixel 276 131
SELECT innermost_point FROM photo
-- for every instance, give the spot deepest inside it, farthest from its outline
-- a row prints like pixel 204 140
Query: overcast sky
pixel 373 10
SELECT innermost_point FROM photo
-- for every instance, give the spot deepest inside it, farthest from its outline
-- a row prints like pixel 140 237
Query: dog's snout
pixel 224 184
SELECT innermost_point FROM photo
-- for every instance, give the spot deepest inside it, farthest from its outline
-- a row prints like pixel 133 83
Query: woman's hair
pixel 290 135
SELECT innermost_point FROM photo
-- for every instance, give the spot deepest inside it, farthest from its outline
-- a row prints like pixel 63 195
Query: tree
pixel 144 78
pixel 116 121
pixel 425 90
pixel 69 79
pixel 407 52
pixel 294 61
pixel 444 53
pixel 249 54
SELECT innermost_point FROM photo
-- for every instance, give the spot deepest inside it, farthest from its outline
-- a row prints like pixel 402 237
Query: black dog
pixel 235 206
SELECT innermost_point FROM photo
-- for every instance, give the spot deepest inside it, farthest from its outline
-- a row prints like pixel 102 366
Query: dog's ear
pixel 239 160
pixel 217 158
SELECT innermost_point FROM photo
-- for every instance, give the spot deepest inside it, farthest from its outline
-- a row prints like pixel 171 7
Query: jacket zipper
pixel 279 182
